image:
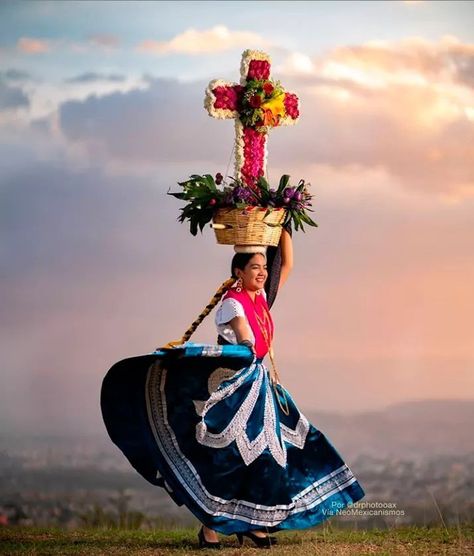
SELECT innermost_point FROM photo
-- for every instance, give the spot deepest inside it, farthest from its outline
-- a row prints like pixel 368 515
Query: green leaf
pixel 209 181
pixel 193 227
pixel 306 218
pixel 177 195
pixel 264 186
pixel 283 183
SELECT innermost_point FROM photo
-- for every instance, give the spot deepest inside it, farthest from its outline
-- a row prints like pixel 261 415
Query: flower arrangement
pixel 206 194
pixel 258 104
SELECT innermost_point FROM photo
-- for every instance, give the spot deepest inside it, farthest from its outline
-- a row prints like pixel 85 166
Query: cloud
pixel 106 41
pixel 13 74
pixel 30 45
pixel 164 123
pixel 406 106
pixel 195 42
pixel 12 97
pixel 90 77
pixel 411 61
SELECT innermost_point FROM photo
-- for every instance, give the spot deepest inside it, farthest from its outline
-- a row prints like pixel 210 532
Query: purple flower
pixel 240 193
pixel 289 192
pixel 297 196
pixel 219 178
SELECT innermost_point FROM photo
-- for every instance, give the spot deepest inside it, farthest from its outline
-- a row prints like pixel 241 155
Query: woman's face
pixel 254 274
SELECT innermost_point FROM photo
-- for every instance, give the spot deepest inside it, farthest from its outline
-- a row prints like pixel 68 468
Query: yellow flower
pixel 276 105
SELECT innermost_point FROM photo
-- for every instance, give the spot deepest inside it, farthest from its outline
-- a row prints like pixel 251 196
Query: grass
pixel 412 540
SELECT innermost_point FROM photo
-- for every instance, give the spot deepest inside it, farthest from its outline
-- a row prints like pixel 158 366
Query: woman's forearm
pixel 242 331
pixel 286 244
pixel 240 328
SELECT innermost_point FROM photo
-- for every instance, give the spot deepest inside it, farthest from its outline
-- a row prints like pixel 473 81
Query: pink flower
pixel 291 105
pixel 258 69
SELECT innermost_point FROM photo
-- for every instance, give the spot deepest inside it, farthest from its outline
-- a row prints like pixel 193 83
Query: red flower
pixel 255 101
pixel 212 202
pixel 268 88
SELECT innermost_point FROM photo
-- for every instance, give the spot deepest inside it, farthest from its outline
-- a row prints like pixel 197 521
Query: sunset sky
pixel 101 112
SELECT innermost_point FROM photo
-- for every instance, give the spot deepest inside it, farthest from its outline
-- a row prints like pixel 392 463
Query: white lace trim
pixel 269 436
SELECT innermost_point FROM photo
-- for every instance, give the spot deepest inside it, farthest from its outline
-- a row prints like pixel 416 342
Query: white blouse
pixel 227 310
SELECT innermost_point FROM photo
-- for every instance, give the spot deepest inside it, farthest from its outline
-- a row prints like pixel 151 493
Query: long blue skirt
pixel 205 423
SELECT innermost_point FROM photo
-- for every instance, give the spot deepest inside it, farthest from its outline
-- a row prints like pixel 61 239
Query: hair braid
pixel 212 303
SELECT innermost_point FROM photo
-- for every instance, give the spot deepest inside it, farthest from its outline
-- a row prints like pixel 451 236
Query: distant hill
pixel 414 429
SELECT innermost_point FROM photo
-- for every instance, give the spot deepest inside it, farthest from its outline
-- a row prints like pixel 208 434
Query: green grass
pixel 325 540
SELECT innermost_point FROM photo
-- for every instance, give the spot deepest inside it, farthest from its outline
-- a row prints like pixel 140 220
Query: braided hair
pixel 239 261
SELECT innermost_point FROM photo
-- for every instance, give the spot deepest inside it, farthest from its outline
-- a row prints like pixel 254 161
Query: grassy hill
pixel 324 540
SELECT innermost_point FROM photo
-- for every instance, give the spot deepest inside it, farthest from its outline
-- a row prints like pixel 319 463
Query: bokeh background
pixel 101 113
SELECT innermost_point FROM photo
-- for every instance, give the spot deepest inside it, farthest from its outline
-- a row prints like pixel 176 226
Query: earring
pixel 238 288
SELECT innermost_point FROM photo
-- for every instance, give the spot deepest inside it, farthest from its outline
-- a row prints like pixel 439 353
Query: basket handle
pixel 221 226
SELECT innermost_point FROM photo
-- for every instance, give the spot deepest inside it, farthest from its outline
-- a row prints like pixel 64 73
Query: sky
pixel 101 113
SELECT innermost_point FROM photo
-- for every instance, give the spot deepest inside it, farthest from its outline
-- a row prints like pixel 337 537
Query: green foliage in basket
pixel 205 194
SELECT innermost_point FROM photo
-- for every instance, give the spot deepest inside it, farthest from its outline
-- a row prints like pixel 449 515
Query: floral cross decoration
pixel 257 104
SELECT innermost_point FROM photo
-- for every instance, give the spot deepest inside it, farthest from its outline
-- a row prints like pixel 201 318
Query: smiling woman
pixel 215 427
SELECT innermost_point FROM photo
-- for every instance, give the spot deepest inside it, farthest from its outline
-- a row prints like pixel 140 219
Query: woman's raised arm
pixel 286 244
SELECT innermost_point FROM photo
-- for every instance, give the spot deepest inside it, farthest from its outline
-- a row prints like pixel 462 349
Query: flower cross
pixel 256 105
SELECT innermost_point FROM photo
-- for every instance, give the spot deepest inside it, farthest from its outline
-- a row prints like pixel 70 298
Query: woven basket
pixel 248 227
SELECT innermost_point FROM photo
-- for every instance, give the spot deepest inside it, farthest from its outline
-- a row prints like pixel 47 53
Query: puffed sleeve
pixel 229 309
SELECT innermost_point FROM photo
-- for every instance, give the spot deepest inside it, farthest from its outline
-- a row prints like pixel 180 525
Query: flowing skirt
pixel 205 423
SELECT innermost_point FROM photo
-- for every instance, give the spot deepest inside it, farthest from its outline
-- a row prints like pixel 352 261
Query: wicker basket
pixel 248 227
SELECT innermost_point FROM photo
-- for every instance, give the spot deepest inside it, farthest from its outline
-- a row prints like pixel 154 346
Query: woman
pixel 214 426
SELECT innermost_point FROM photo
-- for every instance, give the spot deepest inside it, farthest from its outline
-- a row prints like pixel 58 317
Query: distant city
pixel 415 462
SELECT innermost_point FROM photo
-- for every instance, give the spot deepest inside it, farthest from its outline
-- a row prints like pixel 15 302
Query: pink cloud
pixel 406 106
pixel 193 41
pixel 30 45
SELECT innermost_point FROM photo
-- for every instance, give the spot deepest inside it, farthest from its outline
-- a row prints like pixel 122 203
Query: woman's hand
pixel 249 344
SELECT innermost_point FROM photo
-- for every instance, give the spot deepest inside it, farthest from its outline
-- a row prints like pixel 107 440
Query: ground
pixel 326 541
